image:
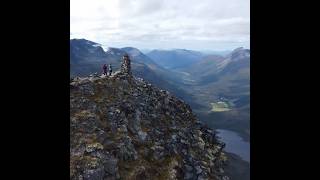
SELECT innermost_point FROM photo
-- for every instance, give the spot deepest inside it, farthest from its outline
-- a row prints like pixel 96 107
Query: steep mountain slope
pixel 236 64
pixel 212 67
pixel 217 79
pixel 122 127
pixel 203 67
pixel 138 56
pixel 85 56
pixel 172 59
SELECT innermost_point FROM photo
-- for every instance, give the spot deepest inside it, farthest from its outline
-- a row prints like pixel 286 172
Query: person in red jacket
pixel 105 68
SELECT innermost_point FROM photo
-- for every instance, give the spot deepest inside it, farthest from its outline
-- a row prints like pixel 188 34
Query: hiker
pixel 105 69
pixel 110 69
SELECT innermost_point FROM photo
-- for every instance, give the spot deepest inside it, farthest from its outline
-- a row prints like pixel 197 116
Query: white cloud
pixel 191 24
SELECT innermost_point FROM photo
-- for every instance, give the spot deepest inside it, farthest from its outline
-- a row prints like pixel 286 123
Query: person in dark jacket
pixel 105 69
pixel 110 69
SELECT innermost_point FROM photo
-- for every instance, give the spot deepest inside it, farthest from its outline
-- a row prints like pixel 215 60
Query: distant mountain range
pixel 212 67
pixel 172 59
pixel 221 52
pixel 87 57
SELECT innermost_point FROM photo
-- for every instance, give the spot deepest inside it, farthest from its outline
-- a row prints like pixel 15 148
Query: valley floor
pixel 216 110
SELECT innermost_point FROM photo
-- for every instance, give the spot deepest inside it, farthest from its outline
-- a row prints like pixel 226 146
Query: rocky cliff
pixel 122 127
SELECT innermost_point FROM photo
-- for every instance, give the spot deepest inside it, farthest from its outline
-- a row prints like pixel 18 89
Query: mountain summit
pixel 122 127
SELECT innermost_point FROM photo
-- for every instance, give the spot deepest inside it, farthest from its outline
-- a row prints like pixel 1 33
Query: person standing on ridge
pixel 105 69
pixel 110 69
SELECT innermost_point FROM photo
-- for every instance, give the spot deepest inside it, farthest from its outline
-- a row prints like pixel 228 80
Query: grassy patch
pixel 220 106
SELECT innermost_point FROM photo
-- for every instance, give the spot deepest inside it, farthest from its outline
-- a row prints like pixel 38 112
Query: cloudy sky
pixel 163 24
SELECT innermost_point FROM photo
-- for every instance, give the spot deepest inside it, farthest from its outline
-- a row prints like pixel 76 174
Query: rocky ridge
pixel 122 127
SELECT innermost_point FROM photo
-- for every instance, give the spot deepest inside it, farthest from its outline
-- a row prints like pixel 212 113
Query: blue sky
pixel 163 24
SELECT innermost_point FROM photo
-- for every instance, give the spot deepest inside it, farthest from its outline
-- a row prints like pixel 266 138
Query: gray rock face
pixel 126 65
pixel 111 166
pixel 127 151
pixel 93 174
pixel 122 127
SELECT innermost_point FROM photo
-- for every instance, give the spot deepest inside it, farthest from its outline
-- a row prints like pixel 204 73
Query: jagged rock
pixel 95 74
pixel 127 151
pixel 122 127
pixel 142 135
pixel 202 177
pixel 189 168
pixel 93 147
pixel 125 66
pixel 225 178
pixel 93 174
pixel 188 175
pixel 110 166
pixel 198 169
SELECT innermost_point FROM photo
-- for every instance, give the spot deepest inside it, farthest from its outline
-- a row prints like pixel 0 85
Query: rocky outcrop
pixel 126 65
pixel 124 128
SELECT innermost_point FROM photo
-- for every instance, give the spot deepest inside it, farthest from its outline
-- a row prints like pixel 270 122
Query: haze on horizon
pixel 162 24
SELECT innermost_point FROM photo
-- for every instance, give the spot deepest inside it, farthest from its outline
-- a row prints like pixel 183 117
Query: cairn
pixel 126 65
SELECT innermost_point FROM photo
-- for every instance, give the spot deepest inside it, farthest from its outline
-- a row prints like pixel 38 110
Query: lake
pixel 235 144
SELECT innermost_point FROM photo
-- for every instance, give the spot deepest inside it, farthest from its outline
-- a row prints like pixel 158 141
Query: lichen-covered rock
pixel 124 128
